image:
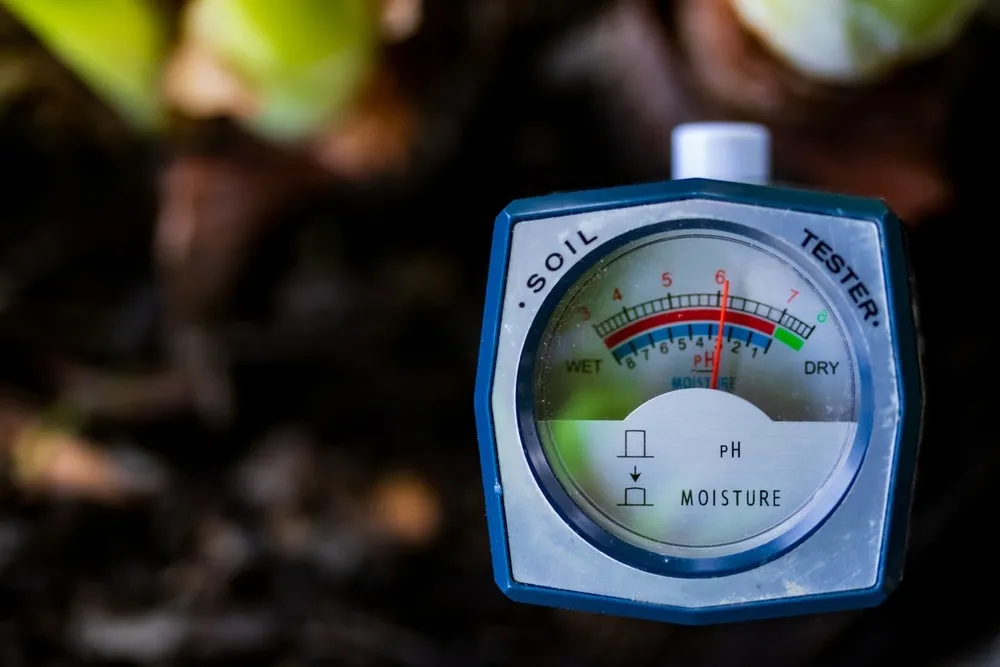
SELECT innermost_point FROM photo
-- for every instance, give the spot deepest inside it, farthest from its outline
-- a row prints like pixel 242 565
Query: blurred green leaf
pixel 849 40
pixel 117 47
pixel 569 436
pixel 303 61
pixel 609 403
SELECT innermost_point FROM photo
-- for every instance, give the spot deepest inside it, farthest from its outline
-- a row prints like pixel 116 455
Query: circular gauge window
pixel 693 396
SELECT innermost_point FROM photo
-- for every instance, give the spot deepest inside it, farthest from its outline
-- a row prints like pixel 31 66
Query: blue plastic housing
pixel 902 319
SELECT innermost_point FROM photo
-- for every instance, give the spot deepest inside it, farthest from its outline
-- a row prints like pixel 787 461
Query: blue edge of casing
pixel 909 379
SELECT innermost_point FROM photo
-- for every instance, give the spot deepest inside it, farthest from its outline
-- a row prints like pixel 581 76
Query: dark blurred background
pixel 239 313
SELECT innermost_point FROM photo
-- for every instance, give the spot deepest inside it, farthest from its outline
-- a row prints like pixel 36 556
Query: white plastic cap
pixel 739 152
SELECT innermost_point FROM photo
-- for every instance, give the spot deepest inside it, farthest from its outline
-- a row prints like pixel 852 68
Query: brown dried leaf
pixel 48 462
pixel 405 508
pixel 212 212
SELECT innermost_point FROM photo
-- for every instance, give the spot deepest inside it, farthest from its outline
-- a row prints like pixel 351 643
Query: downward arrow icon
pixel 634 474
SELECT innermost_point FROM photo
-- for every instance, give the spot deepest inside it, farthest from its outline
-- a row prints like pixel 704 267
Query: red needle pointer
pixel 717 356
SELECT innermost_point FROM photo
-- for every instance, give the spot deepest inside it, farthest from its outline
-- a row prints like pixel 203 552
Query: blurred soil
pixel 236 393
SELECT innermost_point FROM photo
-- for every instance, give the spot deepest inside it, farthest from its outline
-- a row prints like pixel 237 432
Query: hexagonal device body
pixel 698 401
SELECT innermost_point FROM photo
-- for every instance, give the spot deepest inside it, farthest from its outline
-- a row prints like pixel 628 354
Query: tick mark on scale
pixel 520 305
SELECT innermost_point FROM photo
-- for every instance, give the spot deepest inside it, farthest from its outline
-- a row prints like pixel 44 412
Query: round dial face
pixel 694 393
